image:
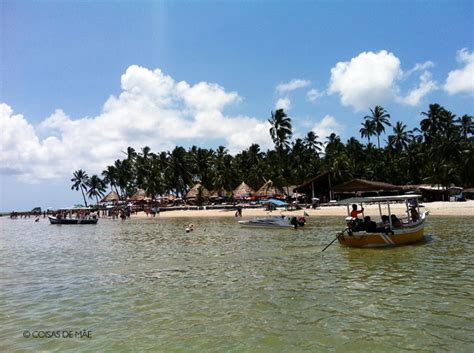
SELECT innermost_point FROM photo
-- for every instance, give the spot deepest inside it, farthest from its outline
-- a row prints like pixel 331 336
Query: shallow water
pixel 147 285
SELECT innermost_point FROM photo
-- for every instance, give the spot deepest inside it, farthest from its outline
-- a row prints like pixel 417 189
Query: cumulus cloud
pixel 314 94
pixel 426 86
pixel 151 110
pixel 366 80
pixel 461 80
pixel 292 85
pixel 326 126
pixel 283 103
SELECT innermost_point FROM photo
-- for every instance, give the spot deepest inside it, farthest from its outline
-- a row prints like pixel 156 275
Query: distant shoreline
pixel 438 208
pixel 435 209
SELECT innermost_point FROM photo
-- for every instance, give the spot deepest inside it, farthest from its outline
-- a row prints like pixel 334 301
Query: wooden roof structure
pixel 110 197
pixel 321 180
pixel 243 190
pixel 362 185
pixel 193 193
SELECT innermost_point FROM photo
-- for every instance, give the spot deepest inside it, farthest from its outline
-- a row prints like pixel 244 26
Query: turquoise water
pixel 146 285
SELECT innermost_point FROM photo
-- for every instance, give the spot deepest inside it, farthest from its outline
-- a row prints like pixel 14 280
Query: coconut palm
pixel 96 187
pixel 80 181
pixel 379 118
pixel 465 125
pixel 281 130
pixel 400 137
pixel 367 130
pixel 311 142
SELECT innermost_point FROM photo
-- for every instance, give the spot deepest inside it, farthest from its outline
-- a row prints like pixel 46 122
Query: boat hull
pixel 54 220
pixel 409 234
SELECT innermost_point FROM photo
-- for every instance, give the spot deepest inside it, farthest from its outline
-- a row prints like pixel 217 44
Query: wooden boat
pixel 55 220
pixel 408 230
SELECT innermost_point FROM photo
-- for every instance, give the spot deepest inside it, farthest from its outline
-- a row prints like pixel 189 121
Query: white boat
pixel 274 222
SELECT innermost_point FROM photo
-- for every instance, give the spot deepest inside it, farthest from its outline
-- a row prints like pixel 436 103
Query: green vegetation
pixel 440 151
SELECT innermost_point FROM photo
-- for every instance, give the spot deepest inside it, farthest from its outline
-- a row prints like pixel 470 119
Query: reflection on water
pixel 147 285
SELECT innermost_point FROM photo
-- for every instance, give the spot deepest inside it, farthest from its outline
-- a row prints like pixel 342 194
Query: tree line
pixel 439 151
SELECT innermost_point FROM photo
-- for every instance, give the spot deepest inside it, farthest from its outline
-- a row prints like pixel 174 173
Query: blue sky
pixel 70 68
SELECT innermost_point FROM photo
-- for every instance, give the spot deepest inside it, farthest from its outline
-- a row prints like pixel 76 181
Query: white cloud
pixel 283 103
pixel 420 67
pixel 151 110
pixel 462 80
pixel 326 126
pixel 292 85
pixel 366 80
pixel 314 94
pixel 426 86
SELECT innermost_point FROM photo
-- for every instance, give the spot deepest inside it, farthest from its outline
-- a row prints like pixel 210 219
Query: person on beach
pixel 238 212
pixel 355 212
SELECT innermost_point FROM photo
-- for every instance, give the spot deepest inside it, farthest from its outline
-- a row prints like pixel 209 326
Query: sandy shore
pixel 435 208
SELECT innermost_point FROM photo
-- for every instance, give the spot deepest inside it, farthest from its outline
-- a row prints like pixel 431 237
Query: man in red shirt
pixel 354 211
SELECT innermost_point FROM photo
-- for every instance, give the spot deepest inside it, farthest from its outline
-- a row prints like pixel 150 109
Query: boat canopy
pixel 358 200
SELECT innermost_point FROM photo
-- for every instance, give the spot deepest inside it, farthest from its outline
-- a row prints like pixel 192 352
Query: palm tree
pixel 311 142
pixel 432 122
pixel 379 117
pixel 367 130
pixel 400 137
pixel 281 130
pixel 80 181
pixel 465 125
pixel 96 187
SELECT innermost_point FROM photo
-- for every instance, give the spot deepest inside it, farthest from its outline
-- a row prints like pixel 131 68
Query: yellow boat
pixel 366 233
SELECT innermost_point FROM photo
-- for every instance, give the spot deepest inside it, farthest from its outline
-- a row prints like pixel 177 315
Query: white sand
pixel 435 208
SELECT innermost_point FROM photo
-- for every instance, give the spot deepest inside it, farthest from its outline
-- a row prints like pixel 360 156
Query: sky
pixel 80 81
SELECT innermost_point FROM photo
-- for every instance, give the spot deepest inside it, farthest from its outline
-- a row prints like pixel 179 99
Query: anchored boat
pixel 55 220
pixel 274 222
pixel 391 231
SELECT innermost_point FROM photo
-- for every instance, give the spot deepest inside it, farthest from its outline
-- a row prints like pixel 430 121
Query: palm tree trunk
pixel 84 197
pixel 378 140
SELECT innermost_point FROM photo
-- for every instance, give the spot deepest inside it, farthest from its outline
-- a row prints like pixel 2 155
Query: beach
pixel 435 208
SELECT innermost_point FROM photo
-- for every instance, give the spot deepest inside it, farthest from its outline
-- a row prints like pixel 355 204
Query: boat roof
pixel 359 200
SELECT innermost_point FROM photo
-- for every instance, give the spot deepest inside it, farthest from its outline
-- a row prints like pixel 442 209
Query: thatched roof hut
pixel 110 197
pixel 269 190
pixel 243 190
pixel 215 194
pixel 140 195
pixel 355 186
pixel 193 193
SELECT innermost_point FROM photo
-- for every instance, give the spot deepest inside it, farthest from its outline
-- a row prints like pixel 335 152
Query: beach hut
pixel 195 190
pixel 243 191
pixel 317 187
pixel 269 190
pixel 140 195
pixel 110 197
pixel 359 187
pixel 218 194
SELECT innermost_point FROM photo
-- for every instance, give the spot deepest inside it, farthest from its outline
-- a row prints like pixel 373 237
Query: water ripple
pixel 149 286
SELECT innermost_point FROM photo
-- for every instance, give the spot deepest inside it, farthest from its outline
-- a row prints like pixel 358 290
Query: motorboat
pixel 56 220
pixel 274 222
pixel 392 231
